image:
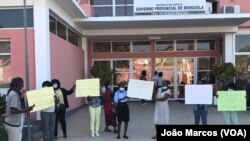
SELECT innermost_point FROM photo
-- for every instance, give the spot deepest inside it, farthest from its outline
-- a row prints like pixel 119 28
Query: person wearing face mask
pixel 161 116
pixel 62 94
pixel 122 109
pixel 12 123
pixel 108 105
pixel 48 117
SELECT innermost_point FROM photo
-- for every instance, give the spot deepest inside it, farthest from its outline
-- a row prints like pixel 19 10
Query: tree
pixel 103 72
pixel 223 72
pixel 3 134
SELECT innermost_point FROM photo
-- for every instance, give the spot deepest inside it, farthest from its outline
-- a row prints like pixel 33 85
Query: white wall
pixel 11 3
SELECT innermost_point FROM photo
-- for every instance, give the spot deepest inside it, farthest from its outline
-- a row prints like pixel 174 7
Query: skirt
pixel 122 111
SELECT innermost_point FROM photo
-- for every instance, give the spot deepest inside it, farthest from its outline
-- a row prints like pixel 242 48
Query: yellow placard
pixel 88 87
pixel 42 98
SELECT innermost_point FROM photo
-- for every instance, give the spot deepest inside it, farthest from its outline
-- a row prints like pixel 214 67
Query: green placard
pixel 231 100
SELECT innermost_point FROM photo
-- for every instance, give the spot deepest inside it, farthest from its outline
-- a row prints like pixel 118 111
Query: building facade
pixel 67 37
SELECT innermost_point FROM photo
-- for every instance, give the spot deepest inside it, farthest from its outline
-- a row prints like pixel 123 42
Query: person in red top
pixel 110 116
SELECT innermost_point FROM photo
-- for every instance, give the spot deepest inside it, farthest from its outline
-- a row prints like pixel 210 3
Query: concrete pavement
pixel 141 126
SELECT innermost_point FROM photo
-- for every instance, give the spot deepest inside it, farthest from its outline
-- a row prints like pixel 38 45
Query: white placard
pixel 198 94
pixel 140 89
pixel 169 7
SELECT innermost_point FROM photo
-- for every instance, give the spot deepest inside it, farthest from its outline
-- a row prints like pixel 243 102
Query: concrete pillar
pixel 42 43
pixel 229 47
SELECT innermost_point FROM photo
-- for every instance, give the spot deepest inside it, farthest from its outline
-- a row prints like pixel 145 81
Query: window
pixel 139 65
pixel 185 45
pixel 164 46
pixel 101 47
pixel 101 2
pixel 141 46
pixel 242 43
pixel 124 10
pixel 104 8
pixel 124 1
pixel 204 67
pixel 103 11
pixel 5 62
pixel 120 46
pixel 100 63
pixel 61 30
pixel 14 18
pixel 242 63
pixel 121 68
pixel 166 66
pixel 52 24
pixel 65 32
pixel 72 37
pixel 205 45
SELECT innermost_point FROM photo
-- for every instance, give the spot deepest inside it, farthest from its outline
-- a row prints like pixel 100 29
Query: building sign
pixel 169 7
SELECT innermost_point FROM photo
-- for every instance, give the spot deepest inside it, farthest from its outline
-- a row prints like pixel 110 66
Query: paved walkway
pixel 141 126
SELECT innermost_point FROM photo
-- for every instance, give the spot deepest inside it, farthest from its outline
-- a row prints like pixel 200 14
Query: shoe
pixel 125 137
pixel 65 136
pixel 154 137
pixel 92 135
pixel 97 134
pixel 118 137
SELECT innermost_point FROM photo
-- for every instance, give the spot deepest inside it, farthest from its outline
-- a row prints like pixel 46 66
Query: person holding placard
pixel 122 109
pixel 230 117
pixel 61 106
pixel 95 104
pixel 13 110
pixel 48 118
pixel 200 112
pixel 161 116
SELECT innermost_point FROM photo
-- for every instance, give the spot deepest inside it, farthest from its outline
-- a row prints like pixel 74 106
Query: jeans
pixel 200 114
pixel 230 118
pixel 48 125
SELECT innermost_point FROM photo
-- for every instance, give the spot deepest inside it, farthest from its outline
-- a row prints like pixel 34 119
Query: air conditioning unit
pixel 231 9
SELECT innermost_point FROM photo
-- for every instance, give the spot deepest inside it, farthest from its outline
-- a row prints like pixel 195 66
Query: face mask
pixel 122 89
pixel 110 87
pixel 55 86
pixel 165 87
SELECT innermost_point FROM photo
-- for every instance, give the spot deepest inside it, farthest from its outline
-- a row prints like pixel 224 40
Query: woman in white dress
pixel 161 105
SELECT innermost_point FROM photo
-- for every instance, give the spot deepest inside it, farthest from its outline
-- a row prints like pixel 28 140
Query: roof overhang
pixel 72 8
pixel 165 26
pixel 163 21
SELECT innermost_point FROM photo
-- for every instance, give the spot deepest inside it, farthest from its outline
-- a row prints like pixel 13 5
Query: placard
pixel 42 98
pixel 87 87
pixel 198 94
pixel 140 89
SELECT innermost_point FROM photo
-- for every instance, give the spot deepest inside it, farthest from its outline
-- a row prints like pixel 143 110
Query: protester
pixel 161 116
pixel 200 112
pixel 48 118
pixel 122 109
pixel 61 106
pixel 108 104
pixel 95 104
pixel 14 110
pixel 230 117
